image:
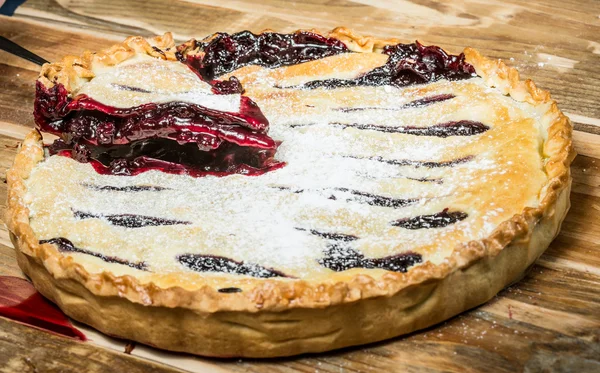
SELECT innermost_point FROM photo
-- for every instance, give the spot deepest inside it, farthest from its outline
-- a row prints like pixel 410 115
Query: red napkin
pixel 20 301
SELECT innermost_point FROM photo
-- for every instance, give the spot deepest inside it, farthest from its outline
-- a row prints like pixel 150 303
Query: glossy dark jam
pixel 225 53
pixel 93 132
pixel 211 263
pixel 65 245
pixel 129 88
pixel 127 189
pixel 227 87
pixel 422 102
pixel 457 128
pixel 170 157
pixel 417 164
pixel 340 237
pixel 88 121
pixel 438 220
pixel 352 195
pixel 408 64
pixel 339 257
pixel 230 290
pixel 129 220
pixel 377 200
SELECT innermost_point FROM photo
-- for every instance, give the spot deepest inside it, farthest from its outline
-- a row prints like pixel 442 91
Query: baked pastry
pixel 275 194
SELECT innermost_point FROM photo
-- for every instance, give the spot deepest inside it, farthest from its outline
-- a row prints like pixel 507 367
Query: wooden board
pixel 550 321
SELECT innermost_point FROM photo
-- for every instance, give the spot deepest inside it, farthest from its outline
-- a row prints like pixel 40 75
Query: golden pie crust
pixel 282 317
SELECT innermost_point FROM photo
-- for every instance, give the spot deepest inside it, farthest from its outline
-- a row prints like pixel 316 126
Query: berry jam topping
pixel 227 87
pixel 439 220
pixel 426 180
pixel 129 220
pixel 211 263
pixel 341 258
pixel 129 88
pixel 456 128
pixel 417 164
pixel 413 104
pixel 129 188
pixel 170 157
pixel 103 135
pixel 86 120
pixel 331 236
pixel 230 290
pixel 225 53
pixel 376 200
pixel 351 195
pixel 65 245
pixel 408 64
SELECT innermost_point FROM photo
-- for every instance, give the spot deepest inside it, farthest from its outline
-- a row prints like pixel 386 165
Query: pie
pixel 261 195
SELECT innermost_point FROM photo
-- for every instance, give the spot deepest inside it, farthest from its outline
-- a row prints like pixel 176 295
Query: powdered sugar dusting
pixel 346 181
pixel 143 79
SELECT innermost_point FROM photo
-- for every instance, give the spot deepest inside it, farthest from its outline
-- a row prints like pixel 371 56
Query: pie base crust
pixel 282 318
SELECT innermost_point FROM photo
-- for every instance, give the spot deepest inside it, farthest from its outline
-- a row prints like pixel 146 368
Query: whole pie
pixel 274 194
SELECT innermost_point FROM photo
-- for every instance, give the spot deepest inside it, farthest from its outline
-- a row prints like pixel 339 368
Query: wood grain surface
pixel 549 321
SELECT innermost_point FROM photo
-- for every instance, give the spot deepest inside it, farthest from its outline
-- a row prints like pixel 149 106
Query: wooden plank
pixel 587 144
pixel 585 121
pixel 586 177
pixel 14 131
pixel 25 349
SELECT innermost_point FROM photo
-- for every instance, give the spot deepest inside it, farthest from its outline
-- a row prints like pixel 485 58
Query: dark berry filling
pixel 129 88
pixel 458 128
pixel 227 87
pixel 426 180
pixel 341 258
pixel 88 121
pixel 377 200
pixel 408 64
pixel 230 290
pixel 129 188
pixel 439 220
pixel 356 196
pixel 225 53
pixel 413 104
pixel 129 220
pixel 100 134
pixel 67 246
pixel 210 263
pixel 170 157
pixel 417 164
pixel 331 235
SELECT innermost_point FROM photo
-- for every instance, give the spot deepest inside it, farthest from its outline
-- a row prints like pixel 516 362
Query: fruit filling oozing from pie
pixel 280 155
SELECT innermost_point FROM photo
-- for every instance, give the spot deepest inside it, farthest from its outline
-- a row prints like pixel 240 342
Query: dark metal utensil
pixel 17 50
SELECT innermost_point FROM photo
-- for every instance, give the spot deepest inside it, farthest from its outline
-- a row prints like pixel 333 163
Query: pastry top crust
pixel 73 71
pixel 197 292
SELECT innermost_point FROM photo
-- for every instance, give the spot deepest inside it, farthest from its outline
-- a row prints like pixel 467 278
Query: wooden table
pixel 550 321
